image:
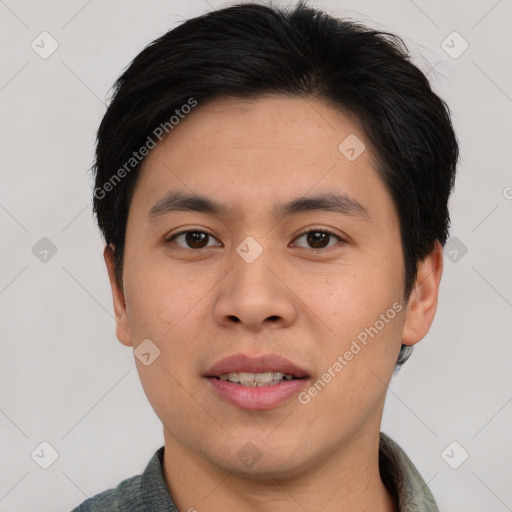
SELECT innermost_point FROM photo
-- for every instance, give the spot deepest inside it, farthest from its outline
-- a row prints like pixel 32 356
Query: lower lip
pixel 257 398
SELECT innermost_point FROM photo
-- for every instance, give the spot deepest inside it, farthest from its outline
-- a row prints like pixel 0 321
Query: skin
pixel 306 304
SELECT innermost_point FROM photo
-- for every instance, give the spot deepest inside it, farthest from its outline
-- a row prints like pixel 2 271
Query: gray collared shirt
pixel 149 493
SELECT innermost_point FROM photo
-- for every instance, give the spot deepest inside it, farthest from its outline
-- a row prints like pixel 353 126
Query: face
pixel 310 289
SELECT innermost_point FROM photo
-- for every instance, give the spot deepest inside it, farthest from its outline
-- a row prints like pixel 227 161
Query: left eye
pixel 316 238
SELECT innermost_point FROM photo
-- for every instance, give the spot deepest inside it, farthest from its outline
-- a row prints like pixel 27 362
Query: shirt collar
pixel 154 491
pixel 402 478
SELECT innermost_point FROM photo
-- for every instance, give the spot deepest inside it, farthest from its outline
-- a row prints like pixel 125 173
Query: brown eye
pixel 192 239
pixel 318 239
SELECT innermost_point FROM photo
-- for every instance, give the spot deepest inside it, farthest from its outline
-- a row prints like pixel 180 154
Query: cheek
pixel 362 309
pixel 164 309
pixel 170 307
pixel 157 295
pixel 351 296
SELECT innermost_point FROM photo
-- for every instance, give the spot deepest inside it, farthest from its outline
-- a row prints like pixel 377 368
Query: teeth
pixel 256 379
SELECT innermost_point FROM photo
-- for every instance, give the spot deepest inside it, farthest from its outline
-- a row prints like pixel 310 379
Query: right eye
pixel 194 239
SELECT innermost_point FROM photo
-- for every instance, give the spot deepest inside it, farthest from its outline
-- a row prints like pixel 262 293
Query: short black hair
pixel 250 50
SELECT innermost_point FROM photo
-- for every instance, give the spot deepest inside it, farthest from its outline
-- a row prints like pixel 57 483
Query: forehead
pixel 298 127
pixel 246 153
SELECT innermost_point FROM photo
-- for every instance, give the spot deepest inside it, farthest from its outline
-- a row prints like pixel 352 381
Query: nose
pixel 254 294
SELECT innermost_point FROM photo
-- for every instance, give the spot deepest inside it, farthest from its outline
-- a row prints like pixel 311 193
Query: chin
pixel 257 460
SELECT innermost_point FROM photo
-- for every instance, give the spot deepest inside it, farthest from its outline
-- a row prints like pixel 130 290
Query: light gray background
pixel 66 380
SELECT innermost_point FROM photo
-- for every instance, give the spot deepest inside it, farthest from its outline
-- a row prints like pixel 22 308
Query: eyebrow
pixel 328 202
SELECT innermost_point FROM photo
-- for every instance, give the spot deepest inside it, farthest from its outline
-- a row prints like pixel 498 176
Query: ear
pixel 122 324
pixel 422 303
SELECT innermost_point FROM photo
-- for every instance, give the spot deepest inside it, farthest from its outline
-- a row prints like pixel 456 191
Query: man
pixel 272 187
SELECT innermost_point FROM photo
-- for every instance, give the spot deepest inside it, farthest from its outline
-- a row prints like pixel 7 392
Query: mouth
pixel 256 383
pixel 263 379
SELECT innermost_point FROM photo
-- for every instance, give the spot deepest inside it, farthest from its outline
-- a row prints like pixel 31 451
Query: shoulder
pixel 147 492
pixel 124 497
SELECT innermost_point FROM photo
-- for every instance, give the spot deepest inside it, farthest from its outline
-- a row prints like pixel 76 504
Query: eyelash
pixel 306 231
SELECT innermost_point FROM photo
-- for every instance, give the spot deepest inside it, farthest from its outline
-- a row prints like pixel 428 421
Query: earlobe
pixel 422 304
pixel 122 324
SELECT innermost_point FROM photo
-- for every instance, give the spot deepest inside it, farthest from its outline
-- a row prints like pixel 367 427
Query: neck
pixel 348 480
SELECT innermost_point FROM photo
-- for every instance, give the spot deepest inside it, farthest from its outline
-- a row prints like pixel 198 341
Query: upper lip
pixel 255 364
